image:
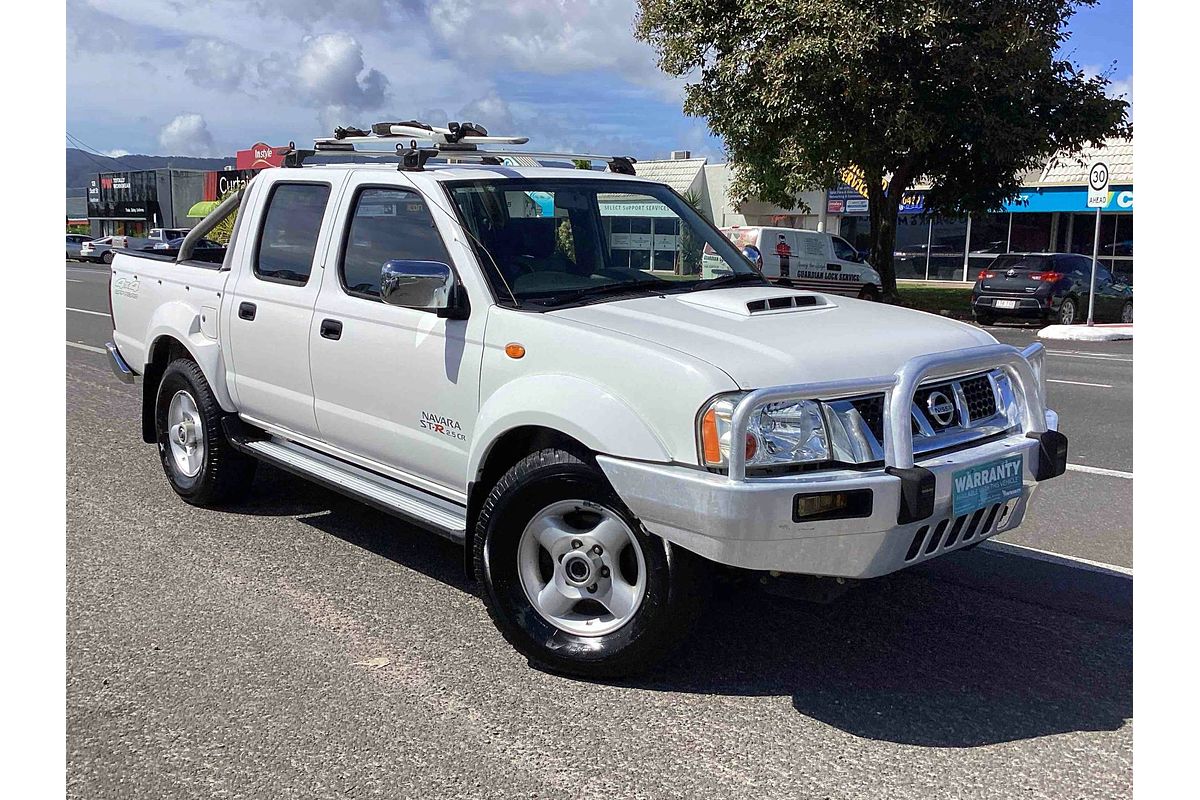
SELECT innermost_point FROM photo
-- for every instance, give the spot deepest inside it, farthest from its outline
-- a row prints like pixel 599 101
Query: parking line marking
pixel 1081 383
pixel 88 347
pixel 72 280
pixel 88 311
pixel 1112 473
pixel 1056 558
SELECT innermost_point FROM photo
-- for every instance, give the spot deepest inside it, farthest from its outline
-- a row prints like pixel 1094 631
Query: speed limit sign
pixel 1098 185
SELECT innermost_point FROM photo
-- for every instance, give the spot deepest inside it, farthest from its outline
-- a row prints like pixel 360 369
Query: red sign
pixel 260 156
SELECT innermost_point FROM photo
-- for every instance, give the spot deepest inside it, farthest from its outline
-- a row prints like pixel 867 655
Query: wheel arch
pixel 165 347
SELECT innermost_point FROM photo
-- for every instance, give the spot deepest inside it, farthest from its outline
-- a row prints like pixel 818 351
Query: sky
pixel 209 77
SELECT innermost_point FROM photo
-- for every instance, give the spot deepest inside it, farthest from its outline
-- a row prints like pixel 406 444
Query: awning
pixel 202 209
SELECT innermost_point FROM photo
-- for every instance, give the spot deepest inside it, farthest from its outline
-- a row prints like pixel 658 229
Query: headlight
pixel 789 432
pixel 786 432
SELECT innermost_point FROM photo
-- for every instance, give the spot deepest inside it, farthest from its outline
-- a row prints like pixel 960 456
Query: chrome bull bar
pixel 1024 368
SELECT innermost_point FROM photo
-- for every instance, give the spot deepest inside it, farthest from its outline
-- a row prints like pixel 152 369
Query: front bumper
pixel 748 521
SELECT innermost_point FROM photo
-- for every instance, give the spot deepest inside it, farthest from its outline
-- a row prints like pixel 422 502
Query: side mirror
pixel 425 285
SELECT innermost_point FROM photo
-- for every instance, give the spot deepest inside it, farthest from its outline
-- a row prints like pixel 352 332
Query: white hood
pixel 836 338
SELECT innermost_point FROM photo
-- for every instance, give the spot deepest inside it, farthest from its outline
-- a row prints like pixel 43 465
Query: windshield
pixel 552 242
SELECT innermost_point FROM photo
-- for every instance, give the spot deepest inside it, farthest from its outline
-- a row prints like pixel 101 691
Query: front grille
pixel 921 398
pixel 978 524
pixel 871 411
pixel 981 400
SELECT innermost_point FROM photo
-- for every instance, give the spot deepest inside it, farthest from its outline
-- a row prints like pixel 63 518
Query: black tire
pixel 107 258
pixel 224 474
pixel 674 577
pixel 1068 312
pixel 1127 313
pixel 869 292
pixel 984 318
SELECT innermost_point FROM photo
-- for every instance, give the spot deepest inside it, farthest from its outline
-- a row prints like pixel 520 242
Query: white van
pixel 802 259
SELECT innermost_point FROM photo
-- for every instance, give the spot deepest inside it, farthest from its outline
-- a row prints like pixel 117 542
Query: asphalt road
pixel 229 654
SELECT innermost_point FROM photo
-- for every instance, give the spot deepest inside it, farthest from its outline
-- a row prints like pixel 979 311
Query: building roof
pixel 1072 170
pixel 680 174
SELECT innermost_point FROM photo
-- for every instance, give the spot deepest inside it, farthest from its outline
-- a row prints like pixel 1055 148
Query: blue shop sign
pixel 1067 198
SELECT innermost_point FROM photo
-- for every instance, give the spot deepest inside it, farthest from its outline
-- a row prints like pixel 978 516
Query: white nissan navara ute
pixel 493 352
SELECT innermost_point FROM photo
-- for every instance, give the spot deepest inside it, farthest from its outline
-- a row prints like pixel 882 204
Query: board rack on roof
pixel 461 141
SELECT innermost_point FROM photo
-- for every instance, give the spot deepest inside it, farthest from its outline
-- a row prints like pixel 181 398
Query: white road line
pixel 1081 383
pixel 88 347
pixel 1056 558
pixel 1090 356
pixel 72 280
pixel 1112 473
pixel 87 311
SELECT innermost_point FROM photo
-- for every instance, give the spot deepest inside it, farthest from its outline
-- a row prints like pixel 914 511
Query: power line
pixel 83 148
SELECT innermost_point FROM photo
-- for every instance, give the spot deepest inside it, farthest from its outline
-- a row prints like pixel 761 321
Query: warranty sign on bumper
pixel 984 484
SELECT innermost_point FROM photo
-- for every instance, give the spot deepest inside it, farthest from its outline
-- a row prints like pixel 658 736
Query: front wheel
pixel 869 293
pixel 572 579
pixel 201 465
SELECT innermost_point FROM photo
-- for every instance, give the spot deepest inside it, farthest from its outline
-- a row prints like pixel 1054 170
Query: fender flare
pixel 181 322
pixel 585 411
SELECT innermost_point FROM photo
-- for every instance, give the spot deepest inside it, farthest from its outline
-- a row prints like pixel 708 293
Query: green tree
pixel 966 94
pixel 223 232
pixel 690 244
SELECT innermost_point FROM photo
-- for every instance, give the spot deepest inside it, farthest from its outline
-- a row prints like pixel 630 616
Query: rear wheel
pixel 1067 312
pixel 107 258
pixel 200 464
pixel 985 318
pixel 1127 313
pixel 572 579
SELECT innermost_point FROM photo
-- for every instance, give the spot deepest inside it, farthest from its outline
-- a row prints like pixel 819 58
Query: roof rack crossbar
pixel 460 141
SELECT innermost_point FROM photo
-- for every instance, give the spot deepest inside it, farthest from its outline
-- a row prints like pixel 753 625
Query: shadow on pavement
pixel 976 648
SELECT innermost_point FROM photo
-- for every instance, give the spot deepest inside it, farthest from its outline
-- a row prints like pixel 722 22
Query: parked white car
pixel 430 341
pixel 802 259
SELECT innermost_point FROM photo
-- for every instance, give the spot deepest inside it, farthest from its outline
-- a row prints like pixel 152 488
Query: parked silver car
pixel 74 242
pixel 97 250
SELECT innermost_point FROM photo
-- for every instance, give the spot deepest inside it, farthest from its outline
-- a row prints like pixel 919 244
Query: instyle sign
pixel 261 156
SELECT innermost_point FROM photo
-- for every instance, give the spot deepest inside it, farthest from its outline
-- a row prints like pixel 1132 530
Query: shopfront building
pixel 1049 214
pixel 131 203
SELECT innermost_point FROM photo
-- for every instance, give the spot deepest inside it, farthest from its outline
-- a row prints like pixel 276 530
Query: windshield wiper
pixel 730 280
pixel 596 292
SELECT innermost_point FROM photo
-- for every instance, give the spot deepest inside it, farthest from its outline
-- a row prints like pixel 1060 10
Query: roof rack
pixel 462 141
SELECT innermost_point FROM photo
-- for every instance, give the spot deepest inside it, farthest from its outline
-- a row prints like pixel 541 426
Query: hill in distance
pixel 83 166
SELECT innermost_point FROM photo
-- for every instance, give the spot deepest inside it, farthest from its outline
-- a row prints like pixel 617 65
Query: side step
pixel 435 513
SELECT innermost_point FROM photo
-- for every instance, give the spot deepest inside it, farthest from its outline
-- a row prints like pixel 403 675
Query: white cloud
pixel 187 135
pixel 551 37
pixel 214 64
pixel 330 71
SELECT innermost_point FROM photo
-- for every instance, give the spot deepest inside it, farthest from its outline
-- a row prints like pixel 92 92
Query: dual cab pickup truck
pixel 481 350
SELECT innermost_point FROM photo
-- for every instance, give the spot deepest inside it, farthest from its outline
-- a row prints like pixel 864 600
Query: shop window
pixel 946 249
pixel 912 239
pixel 1031 233
pixel 1083 231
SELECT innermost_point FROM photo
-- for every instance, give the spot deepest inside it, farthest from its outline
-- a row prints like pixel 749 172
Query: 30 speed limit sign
pixel 1098 185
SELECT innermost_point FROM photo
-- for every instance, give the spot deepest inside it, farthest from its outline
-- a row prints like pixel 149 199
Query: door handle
pixel 331 329
pixel 247 310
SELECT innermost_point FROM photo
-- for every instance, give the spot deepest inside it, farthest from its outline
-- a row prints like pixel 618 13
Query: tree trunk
pixel 884 211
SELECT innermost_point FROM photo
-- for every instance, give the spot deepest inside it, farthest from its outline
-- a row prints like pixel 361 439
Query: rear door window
pixel 387 225
pixel 291 225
